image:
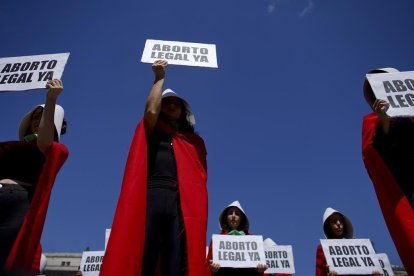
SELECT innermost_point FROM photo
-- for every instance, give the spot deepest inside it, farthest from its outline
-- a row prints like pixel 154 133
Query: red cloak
pixel 26 250
pixel 395 207
pixel 125 248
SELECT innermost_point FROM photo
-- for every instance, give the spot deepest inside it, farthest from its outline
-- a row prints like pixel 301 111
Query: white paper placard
pixel 30 72
pixel 180 53
pixel 350 256
pixel 238 251
pixel 279 259
pixel 395 88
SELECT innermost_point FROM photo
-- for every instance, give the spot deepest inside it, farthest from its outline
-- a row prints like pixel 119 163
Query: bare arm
pixel 46 132
pixel 153 104
pixel 380 107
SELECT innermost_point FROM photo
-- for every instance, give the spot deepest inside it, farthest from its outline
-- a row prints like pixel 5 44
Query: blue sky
pixel 281 116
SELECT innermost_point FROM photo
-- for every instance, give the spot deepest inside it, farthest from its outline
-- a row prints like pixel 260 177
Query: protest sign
pixel 395 88
pixel 385 264
pixel 91 262
pixel 350 256
pixel 180 53
pixel 279 259
pixel 30 72
pixel 238 251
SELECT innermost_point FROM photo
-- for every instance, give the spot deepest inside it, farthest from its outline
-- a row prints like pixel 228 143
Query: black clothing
pixel 162 168
pixel 397 150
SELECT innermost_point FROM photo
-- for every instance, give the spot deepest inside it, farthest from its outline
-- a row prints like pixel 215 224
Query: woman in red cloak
pixel 388 155
pixel 28 168
pixel 161 218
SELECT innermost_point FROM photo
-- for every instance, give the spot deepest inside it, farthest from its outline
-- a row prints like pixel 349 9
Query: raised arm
pixel 46 132
pixel 153 104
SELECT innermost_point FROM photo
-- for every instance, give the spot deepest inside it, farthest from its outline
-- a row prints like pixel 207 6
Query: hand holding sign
pixel 158 67
pixel 380 107
pixel 54 88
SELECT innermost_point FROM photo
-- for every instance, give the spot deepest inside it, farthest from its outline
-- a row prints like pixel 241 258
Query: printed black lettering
pixel 410 99
pixel 285 263
pixel 16 67
pixel 391 101
pixel 401 101
pixel 52 64
pixel 399 85
pixel 25 66
pixel 388 87
pixel 6 68
pixel 4 79
pixel 166 48
pixel 13 78
pixel 175 48
pixel 156 47
pixel 34 65
pixel 204 51
pixel 409 83
pixel 43 64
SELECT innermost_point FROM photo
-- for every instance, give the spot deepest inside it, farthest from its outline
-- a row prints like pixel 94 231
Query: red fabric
pixel 26 250
pixel 321 265
pixel 395 207
pixel 124 252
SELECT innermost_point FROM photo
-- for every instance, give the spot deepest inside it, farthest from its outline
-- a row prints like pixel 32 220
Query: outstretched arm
pixel 46 132
pixel 153 104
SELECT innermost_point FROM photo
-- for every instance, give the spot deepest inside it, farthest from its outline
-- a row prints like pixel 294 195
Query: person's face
pixel 171 108
pixel 35 121
pixel 336 223
pixel 233 217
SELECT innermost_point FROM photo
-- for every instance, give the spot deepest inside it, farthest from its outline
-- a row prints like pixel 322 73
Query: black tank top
pixel 162 169
pixel 21 161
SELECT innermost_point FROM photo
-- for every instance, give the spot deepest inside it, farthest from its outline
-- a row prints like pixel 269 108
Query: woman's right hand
pixel 158 67
pixel 214 267
pixel 380 108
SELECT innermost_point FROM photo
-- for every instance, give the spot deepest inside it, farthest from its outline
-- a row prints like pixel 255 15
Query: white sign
pixel 91 262
pixel 395 88
pixel 180 53
pixel 30 72
pixel 279 259
pixel 238 251
pixel 350 256
pixel 385 264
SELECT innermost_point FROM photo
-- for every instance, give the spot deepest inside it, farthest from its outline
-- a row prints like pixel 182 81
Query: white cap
pixel 58 120
pixel 190 116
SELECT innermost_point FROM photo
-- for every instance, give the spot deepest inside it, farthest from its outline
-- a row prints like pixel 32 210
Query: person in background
pixel 233 221
pixel 161 218
pixel 28 168
pixel 335 226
